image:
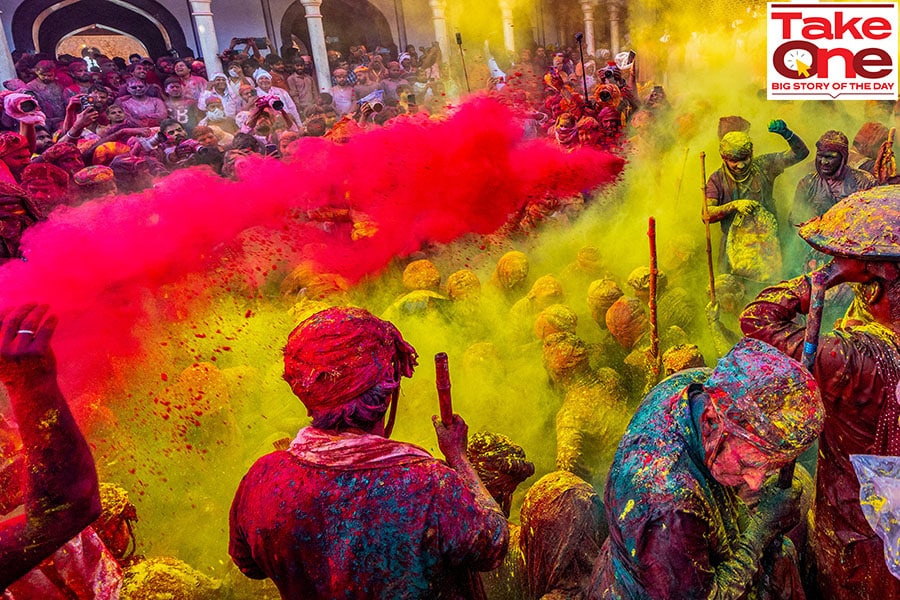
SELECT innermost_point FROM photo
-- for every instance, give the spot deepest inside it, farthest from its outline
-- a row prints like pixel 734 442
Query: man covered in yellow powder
pixel 677 527
pixel 744 183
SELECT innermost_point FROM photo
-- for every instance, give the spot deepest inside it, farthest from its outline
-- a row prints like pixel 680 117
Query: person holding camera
pixel 262 122
pixel 613 75
pixel 265 89
pixel 81 120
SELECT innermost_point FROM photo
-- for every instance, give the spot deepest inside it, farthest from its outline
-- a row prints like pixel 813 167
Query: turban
pixel 45 171
pixel 11 190
pixel 104 153
pixel 733 123
pixel 563 352
pixel 681 357
pixel 556 318
pixel 11 142
pixel 869 138
pixel 546 288
pixel 421 275
pixel 336 355
pixel 58 151
pixel 736 145
pixel 361 69
pixel 589 260
pixel 639 279
pixel 218 76
pixel 607 94
pixel 94 175
pixel 626 321
pixel 600 296
pixel 766 398
pixel 834 141
pixel 463 284
pixel 260 74
pixel 512 269
pixel 500 463
pixel 126 164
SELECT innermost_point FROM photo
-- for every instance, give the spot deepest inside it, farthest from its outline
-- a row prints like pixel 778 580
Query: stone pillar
pixel 7 66
pixel 206 31
pixel 317 43
pixel 589 46
pixel 440 28
pixel 509 36
pixel 614 17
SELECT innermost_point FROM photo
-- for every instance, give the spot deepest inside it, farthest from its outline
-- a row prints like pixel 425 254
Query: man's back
pixel 382 521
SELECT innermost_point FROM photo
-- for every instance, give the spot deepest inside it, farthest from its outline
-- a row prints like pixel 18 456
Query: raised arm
pixel 61 491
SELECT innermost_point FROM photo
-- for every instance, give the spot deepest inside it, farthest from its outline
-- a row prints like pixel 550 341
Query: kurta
pixel 360 516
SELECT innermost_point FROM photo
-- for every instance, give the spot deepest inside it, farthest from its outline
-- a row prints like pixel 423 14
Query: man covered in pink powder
pixel 346 512
pixel 857 367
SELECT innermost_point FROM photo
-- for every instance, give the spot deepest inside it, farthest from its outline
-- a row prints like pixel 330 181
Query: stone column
pixel 509 36
pixel 206 31
pixel 317 43
pixel 440 28
pixel 588 9
pixel 614 17
pixel 7 66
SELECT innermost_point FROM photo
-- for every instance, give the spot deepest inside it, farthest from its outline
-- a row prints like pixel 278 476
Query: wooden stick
pixel 654 273
pixel 442 381
pixel 681 176
pixel 709 256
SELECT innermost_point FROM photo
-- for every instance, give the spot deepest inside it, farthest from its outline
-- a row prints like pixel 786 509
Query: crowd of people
pixel 665 478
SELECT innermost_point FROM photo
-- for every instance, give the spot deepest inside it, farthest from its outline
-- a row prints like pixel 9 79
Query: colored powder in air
pixel 117 269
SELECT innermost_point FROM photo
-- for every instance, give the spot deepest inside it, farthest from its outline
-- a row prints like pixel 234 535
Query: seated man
pixel 345 511
pixel 678 528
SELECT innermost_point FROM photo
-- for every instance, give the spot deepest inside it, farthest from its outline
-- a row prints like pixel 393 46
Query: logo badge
pixel 832 50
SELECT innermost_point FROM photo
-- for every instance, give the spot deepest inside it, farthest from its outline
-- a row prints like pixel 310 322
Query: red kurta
pixel 360 516
pixel 856 369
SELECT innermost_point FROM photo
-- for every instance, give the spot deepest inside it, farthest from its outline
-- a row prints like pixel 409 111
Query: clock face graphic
pixel 799 60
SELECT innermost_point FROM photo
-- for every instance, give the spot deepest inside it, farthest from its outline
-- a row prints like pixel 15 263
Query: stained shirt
pixel 360 516
pixel 758 186
pixel 857 371
pixel 673 529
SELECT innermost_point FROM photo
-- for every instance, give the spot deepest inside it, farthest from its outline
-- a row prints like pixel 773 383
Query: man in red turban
pixel 347 512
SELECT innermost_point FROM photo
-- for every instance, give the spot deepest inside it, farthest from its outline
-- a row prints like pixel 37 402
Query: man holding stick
pixel 857 367
pixel 347 512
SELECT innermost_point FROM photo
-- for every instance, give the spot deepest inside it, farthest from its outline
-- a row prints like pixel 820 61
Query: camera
pixel 173 52
pixel 375 101
pixel 609 74
pixel 579 37
pixel 377 106
pixel 275 103
pixel 27 106
pixel 605 96
pixel 88 102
